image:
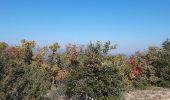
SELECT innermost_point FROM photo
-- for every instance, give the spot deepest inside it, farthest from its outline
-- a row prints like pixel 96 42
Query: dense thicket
pixel 81 72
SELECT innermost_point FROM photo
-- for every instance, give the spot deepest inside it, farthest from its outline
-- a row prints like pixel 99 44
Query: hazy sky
pixel 131 24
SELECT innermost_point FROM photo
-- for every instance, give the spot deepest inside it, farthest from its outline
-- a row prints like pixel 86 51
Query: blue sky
pixel 131 24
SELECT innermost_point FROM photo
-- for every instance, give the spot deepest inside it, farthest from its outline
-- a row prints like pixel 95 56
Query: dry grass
pixel 154 93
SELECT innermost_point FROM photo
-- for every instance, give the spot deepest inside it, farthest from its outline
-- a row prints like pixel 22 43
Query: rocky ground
pixel 154 93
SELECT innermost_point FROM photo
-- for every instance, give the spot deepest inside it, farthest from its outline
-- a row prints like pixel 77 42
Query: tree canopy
pixel 83 72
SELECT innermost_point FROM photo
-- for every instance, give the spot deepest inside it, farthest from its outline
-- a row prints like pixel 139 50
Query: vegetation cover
pixel 81 72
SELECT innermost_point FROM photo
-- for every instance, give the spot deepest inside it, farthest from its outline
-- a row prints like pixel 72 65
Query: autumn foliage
pixel 134 65
pixel 82 72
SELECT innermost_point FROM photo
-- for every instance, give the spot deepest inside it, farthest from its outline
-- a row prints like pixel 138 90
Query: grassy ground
pixel 153 93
